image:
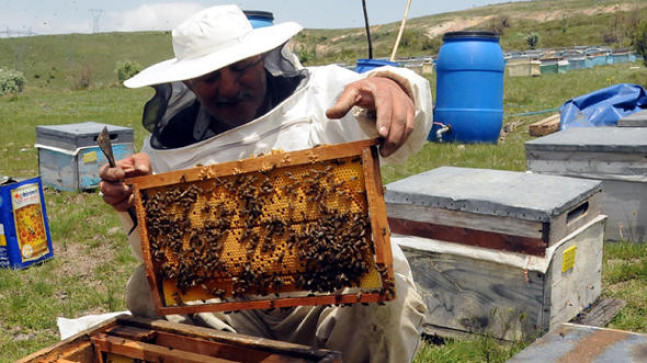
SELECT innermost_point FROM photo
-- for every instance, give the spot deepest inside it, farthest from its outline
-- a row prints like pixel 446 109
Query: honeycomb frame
pixel 286 229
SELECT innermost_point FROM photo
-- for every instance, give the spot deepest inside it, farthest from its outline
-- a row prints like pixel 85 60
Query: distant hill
pixel 88 60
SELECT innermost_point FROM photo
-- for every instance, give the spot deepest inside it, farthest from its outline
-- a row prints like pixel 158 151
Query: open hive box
pixel 279 230
pixel 129 339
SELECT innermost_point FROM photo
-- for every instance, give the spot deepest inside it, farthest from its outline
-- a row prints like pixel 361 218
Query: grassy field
pixel 70 79
pixel 92 259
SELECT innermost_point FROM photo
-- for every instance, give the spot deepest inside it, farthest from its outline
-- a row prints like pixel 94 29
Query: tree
pixel 640 40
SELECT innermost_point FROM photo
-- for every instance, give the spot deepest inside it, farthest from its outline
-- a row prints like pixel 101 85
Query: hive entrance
pixel 279 230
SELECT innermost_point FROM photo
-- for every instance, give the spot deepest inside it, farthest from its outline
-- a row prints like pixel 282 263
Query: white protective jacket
pixel 389 333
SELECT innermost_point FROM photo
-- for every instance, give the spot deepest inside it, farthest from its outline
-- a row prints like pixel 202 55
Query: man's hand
pixel 394 109
pixel 115 192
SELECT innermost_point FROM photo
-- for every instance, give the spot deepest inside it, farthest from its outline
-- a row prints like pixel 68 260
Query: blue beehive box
pixel 69 157
pixel 24 230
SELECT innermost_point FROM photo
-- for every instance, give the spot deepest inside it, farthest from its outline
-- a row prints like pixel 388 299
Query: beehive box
pixel 615 155
pixel 581 343
pixel 24 228
pixel 523 67
pixel 636 119
pixel 130 339
pixel 280 230
pixel 69 157
pixel 503 253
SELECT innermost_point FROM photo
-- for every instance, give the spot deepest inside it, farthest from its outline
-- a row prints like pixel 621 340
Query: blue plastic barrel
pixel 259 19
pixel 364 65
pixel 469 88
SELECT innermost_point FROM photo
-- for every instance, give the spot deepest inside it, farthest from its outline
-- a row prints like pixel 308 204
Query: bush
pixel 11 81
pixel 532 39
pixel 126 69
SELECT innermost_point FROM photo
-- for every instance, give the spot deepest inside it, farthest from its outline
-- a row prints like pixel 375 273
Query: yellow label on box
pixel 568 260
pixel 3 240
pixel 90 157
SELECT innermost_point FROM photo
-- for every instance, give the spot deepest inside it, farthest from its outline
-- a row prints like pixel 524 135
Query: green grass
pixel 91 266
pixel 93 260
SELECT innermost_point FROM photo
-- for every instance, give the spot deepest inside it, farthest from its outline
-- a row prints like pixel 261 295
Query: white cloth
pixel 388 333
pixel 69 327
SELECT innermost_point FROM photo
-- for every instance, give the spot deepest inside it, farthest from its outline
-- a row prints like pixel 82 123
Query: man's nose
pixel 228 86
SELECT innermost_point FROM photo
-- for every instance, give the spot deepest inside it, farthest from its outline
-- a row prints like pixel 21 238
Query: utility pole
pixel 96 14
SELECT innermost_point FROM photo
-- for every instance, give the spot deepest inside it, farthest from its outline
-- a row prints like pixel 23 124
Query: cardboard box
pixel 508 254
pixel 615 155
pixel 24 229
pixel 69 157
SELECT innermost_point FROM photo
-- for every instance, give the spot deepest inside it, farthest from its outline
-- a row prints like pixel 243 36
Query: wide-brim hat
pixel 212 39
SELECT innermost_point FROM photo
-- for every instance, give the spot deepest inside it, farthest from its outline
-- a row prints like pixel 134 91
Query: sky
pixel 18 17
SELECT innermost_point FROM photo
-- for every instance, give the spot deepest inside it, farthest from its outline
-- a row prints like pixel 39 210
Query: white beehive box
pixel 69 157
pixel 503 253
pixel 615 155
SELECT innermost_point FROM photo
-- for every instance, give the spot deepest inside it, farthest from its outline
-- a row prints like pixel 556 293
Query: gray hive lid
pixel 622 140
pixel 535 197
pixel 636 119
pixel 72 136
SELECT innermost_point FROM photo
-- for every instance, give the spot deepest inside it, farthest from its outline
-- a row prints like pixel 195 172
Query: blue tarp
pixel 603 107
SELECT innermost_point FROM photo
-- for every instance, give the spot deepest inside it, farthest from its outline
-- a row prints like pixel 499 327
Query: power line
pixel 8 33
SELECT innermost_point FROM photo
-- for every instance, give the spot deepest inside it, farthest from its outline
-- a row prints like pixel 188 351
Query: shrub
pixel 126 69
pixel 11 81
pixel 532 39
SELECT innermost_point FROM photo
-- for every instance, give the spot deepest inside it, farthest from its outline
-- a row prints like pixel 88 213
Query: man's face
pixel 233 95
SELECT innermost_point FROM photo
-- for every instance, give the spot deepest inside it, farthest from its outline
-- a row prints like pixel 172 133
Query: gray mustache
pixel 240 97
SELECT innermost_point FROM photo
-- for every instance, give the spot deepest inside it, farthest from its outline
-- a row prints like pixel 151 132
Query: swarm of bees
pixel 301 228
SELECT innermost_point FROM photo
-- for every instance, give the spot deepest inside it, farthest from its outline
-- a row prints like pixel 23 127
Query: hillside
pixel 79 61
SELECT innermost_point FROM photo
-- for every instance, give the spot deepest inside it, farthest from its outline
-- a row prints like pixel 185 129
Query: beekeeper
pixel 233 91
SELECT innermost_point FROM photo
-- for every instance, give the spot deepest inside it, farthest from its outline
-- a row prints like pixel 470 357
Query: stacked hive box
pixel 615 155
pixel 508 254
pixel 69 157
pixel 130 339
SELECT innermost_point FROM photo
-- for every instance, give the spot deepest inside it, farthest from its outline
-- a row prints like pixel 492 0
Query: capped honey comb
pixel 286 229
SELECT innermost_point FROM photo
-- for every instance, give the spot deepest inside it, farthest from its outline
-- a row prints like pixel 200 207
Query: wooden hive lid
pixel 617 140
pixel 534 197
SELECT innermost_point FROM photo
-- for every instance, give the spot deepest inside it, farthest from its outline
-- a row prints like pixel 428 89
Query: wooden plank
pixel 468 236
pixel 149 352
pixel 545 126
pixel 600 313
